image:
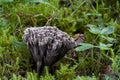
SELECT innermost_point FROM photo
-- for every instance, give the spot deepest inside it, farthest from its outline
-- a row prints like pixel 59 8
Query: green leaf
pixel 108 38
pixel 107 30
pixel 93 29
pixel 84 46
pixel 105 46
pixel 17 43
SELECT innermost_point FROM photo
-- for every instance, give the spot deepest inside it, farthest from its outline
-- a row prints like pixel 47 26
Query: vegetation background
pixel 98 58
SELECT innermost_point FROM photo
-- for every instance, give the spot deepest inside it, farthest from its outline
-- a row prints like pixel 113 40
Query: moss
pixel 15 16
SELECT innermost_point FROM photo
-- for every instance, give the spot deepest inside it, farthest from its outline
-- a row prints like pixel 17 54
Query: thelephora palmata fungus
pixel 47 45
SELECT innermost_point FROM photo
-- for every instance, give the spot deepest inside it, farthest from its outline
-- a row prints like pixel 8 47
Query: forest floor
pixel 95 24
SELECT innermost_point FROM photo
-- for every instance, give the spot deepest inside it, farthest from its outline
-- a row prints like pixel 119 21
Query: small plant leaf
pixel 104 46
pixel 108 38
pixel 84 46
pixel 107 30
pixel 93 29
pixel 17 43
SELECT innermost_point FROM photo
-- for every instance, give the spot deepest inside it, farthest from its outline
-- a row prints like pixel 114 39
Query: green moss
pixel 16 15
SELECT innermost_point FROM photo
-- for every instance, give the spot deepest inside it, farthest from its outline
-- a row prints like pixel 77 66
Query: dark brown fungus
pixel 47 45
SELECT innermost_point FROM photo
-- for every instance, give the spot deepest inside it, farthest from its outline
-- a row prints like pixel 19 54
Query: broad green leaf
pixel 108 38
pixel 107 30
pixel 103 46
pixel 17 43
pixel 93 29
pixel 84 46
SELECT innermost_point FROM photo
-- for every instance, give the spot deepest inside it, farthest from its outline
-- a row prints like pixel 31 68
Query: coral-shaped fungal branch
pixel 47 45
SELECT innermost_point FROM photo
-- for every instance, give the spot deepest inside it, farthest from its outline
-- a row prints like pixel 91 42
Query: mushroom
pixel 47 45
